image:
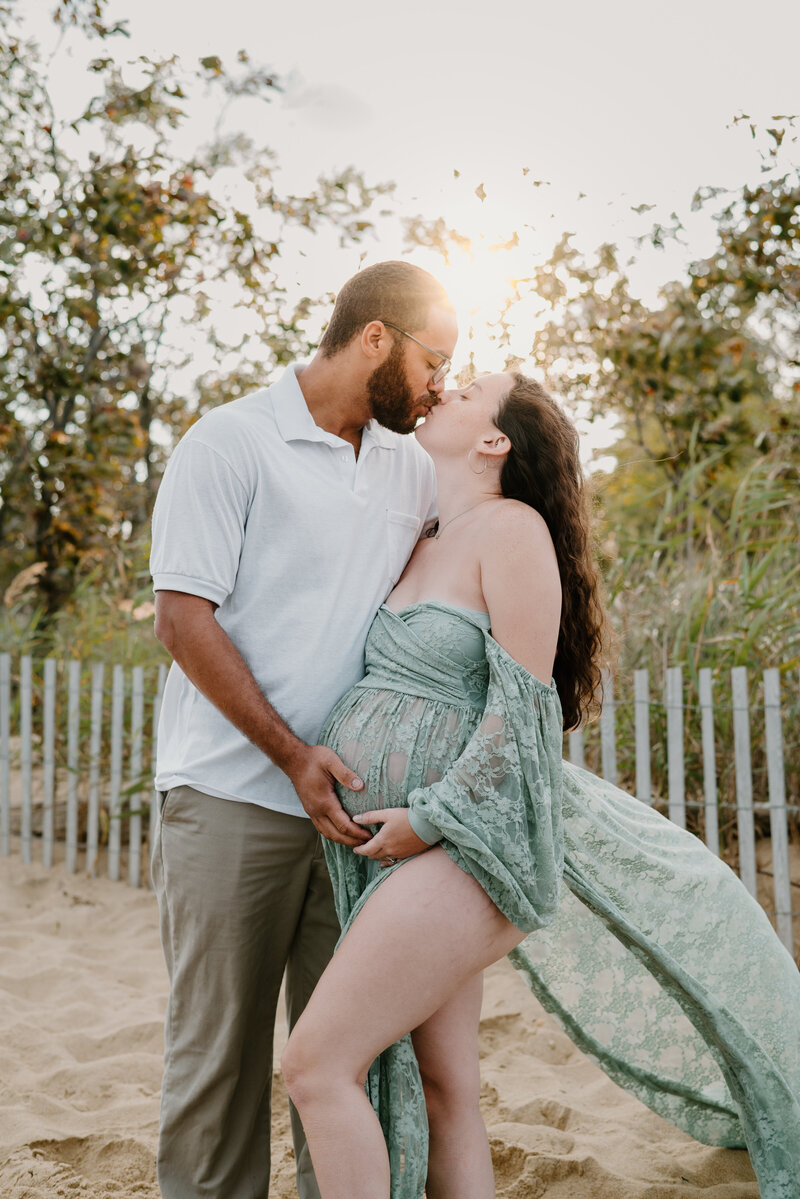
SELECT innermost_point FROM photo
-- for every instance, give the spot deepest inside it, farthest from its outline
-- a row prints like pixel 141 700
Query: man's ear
pixel 374 338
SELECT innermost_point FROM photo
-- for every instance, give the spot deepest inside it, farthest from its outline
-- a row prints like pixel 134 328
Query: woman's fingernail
pixel 356 785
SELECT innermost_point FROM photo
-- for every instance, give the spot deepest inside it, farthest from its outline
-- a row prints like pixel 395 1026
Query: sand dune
pixel 82 996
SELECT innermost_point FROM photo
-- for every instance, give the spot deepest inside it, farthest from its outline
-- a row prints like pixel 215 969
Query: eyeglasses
pixel 444 366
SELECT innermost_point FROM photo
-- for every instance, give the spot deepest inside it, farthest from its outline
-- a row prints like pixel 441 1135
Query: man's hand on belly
pixel 395 839
pixel 312 771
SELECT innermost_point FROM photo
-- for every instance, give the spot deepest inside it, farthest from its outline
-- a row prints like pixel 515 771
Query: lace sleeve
pixel 498 807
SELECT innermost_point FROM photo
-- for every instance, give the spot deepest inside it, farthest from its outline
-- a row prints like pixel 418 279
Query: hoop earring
pixel 471 467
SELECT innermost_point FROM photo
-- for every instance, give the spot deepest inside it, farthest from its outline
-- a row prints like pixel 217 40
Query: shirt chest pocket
pixel 402 529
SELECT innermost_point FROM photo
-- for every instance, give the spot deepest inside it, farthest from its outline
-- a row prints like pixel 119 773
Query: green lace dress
pixel 645 947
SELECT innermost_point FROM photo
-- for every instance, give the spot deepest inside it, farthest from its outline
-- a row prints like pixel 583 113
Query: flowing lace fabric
pixel 644 946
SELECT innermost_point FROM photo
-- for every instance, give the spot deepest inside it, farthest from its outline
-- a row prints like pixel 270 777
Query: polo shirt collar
pixel 296 423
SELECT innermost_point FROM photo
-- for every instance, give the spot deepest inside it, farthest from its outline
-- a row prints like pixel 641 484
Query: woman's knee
pixel 450 1095
pixel 298 1065
pixel 312 1073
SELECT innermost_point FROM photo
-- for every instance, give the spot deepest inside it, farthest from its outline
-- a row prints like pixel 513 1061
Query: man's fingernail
pixel 356 784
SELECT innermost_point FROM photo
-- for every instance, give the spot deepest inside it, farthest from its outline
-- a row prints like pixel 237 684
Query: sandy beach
pixel 82 996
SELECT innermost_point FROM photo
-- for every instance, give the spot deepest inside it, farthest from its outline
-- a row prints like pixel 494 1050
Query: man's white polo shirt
pixel 298 542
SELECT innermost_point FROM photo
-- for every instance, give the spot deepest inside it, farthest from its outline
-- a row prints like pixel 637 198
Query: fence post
pixel 73 734
pixel 779 834
pixel 744 780
pixel 93 817
pixel 5 754
pixel 709 760
pixel 608 731
pixel 135 771
pixel 48 759
pixel 641 702
pixel 26 759
pixel 675 763
pixel 576 755
pixel 114 819
pixel 160 682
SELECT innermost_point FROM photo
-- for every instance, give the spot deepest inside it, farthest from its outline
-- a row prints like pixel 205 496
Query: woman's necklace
pixel 441 528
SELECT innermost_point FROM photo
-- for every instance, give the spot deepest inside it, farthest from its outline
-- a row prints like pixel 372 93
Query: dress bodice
pixel 432 650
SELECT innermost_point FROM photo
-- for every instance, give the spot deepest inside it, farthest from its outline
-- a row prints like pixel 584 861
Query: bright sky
pixel 627 102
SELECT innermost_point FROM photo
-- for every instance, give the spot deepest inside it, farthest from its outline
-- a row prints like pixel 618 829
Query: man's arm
pixel 187 628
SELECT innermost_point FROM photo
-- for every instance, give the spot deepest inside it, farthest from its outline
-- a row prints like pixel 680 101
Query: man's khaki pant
pixel 243 893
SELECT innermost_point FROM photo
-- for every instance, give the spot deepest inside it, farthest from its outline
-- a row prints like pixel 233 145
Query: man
pixel 283 520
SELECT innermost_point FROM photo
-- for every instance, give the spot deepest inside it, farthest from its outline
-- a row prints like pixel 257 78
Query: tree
pixel 699 516
pixel 111 243
pixel 701 511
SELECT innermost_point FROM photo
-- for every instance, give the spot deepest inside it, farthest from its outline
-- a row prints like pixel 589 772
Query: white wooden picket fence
pixel 69 754
pixel 108 799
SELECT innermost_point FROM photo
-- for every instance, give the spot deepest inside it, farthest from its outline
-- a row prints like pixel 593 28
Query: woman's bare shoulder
pixel 514 522
pixel 514 543
pixel 521 585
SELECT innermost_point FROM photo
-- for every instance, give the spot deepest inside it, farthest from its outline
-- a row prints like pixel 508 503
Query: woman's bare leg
pixel 426 932
pixel 446 1045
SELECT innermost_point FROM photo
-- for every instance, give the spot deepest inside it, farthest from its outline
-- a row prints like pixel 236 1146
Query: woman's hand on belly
pixel 394 839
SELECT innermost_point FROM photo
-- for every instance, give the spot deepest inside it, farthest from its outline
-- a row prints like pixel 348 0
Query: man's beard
pixel 390 398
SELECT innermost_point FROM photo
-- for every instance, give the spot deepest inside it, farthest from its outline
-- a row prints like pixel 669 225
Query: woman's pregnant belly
pixel 395 743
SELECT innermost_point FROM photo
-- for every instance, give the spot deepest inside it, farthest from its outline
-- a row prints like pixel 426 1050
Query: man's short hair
pixel 389 291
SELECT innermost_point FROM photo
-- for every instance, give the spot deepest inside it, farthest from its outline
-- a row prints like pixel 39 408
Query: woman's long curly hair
pixel 543 469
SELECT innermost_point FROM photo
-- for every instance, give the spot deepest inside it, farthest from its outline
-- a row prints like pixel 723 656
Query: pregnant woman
pixel 644 946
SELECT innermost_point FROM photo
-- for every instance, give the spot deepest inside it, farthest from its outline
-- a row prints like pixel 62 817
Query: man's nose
pixel 442 396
